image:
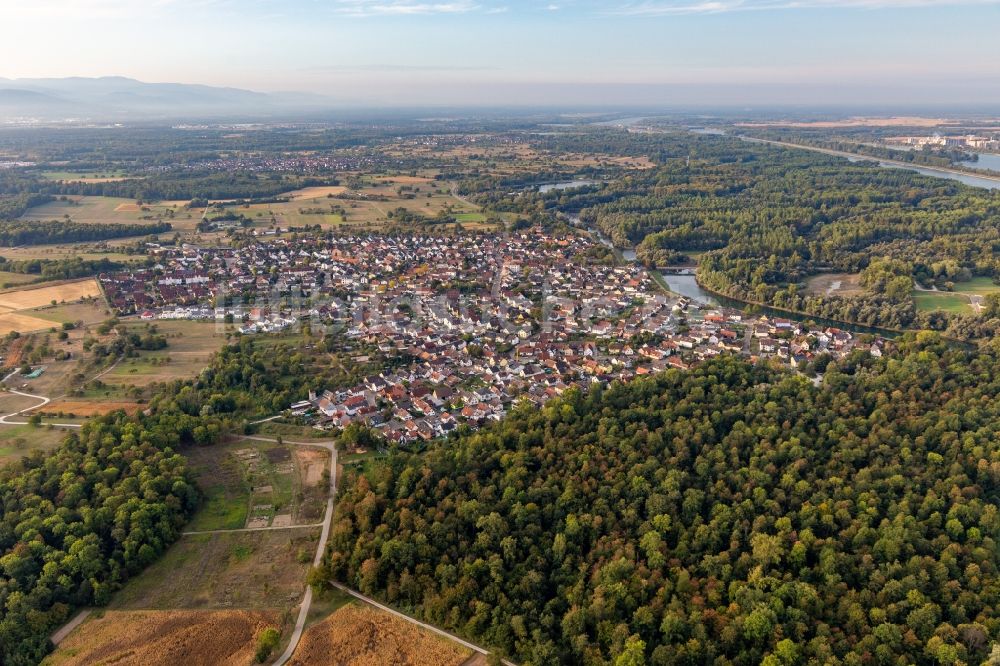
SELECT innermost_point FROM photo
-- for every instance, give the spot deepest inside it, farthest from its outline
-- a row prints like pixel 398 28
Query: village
pixel 482 321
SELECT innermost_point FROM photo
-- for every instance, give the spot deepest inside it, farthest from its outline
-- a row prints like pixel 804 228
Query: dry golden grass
pixel 127 208
pixel 24 299
pixel 316 192
pixel 88 408
pixel 167 638
pixel 92 180
pixel 361 636
pixel 22 323
pixel 405 180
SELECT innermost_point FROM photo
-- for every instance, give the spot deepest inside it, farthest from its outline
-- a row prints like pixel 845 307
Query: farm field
pixel 167 638
pixel 8 279
pixel 84 250
pixel 964 299
pixel 20 308
pixel 252 570
pixel 58 377
pixel 510 159
pixel 105 210
pixel 359 635
pixel 70 408
pixel 109 176
pixel 258 484
pixel 31 309
pixel 363 207
pixel 190 345
pixel 942 301
pixel 20 322
pixel 33 297
pixel 17 441
pixel 315 193
pixel 86 312
pixel 979 285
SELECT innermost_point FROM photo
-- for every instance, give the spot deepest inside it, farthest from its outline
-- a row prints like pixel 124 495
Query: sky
pixel 441 52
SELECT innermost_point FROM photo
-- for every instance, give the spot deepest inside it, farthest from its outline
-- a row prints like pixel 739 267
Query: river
pixel 687 285
pixel 974 181
pixel 989 161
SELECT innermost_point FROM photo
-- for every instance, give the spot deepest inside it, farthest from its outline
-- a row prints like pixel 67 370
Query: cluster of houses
pixel 454 380
pixel 344 161
pixel 480 320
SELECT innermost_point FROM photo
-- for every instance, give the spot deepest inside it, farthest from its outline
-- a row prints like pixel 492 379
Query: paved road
pixel 44 401
pixel 300 622
pixel 4 420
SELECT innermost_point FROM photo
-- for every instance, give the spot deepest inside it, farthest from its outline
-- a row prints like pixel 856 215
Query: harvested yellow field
pixel 22 323
pixel 25 299
pixel 316 192
pixel 406 180
pixel 167 638
pixel 127 208
pixel 94 180
pixel 361 636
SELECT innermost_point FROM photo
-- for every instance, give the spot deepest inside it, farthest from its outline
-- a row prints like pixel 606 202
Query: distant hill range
pixel 120 98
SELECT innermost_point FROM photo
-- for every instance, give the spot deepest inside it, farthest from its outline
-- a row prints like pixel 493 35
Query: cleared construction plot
pixel 835 284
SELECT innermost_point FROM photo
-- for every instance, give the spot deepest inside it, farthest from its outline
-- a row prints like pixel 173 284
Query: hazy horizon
pixel 489 52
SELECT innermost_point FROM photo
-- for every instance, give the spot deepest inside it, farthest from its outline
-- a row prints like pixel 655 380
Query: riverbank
pixel 798 315
pixel 989 182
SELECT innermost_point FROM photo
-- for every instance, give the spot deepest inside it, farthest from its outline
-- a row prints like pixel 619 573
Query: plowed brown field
pixel 167 638
pixel 362 636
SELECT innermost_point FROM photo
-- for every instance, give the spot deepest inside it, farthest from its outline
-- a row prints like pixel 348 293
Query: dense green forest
pixel 861 141
pixel 78 522
pixel 192 184
pixel 62 269
pixel 15 233
pixel 14 205
pixel 727 515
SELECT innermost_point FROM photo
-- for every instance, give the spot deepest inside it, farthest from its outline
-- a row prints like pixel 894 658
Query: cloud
pixel 675 7
pixel 365 8
pixel 100 8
